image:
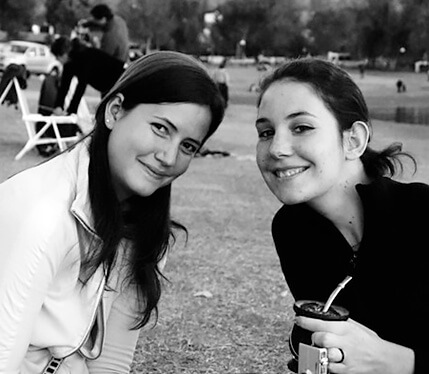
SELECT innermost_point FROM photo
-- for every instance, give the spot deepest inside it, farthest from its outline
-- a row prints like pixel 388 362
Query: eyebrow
pixel 289 116
pixel 168 121
pixel 175 128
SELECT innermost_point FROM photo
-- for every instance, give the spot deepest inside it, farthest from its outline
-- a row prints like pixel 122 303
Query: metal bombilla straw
pixel 335 293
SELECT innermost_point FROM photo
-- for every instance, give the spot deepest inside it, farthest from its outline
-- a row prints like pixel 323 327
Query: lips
pixel 289 172
pixel 154 172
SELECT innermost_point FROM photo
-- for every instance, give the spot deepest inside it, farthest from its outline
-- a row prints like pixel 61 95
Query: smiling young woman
pixel 84 236
pixel 343 214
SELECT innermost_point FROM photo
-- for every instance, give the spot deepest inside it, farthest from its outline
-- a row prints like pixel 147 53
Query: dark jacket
pixel 389 292
pixel 90 66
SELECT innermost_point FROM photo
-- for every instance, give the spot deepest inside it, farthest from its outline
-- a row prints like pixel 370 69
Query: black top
pixel 389 292
pixel 91 66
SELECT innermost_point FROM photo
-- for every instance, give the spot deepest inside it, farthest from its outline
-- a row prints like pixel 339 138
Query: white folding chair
pixel 30 120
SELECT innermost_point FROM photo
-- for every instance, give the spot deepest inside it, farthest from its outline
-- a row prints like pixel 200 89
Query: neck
pixel 344 208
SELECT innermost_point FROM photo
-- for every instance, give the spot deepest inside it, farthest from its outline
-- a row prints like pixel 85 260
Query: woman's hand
pixel 363 350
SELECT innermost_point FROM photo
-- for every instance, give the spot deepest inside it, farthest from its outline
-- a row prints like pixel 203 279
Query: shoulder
pixel 396 207
pixel 289 215
pixel 279 217
pixel 287 220
pixel 36 202
pixel 416 189
pixel 120 22
pixel 397 193
pixel 411 198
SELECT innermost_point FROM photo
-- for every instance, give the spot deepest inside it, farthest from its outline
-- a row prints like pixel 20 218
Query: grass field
pixel 227 308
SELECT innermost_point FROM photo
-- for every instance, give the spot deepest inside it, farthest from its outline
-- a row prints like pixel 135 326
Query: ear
pixel 113 110
pixel 355 140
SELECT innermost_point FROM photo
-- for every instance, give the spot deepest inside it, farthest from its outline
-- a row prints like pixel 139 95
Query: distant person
pixel 114 40
pixel 343 214
pixel 400 86
pixel 362 67
pixel 221 77
pixel 84 236
pixel 89 65
pixel 362 70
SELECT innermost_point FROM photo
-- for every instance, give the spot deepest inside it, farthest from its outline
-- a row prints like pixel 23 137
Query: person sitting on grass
pixel 344 214
pixel 84 236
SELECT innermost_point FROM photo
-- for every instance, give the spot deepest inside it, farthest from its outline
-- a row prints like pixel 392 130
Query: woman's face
pixel 153 144
pixel 299 151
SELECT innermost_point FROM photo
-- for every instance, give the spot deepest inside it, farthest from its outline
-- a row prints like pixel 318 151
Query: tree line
pixel 367 29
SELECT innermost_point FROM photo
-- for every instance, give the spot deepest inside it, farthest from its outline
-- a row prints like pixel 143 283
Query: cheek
pixel 330 161
pixel 182 165
pixel 261 154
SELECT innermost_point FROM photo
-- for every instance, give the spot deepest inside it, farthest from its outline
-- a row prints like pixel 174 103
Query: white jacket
pixel 45 227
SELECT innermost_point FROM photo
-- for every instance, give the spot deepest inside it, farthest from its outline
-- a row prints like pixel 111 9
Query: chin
pixel 288 198
pixel 290 201
pixel 145 191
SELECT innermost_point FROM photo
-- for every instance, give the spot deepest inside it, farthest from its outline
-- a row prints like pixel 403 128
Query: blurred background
pixel 384 34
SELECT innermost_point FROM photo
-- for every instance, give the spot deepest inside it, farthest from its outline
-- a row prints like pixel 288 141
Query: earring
pixel 107 120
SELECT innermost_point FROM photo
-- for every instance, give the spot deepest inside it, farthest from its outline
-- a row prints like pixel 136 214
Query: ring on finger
pixel 342 356
pixel 336 355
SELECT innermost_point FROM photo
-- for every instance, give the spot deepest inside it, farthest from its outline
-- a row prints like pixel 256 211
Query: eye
pixel 159 129
pixel 265 133
pixel 189 148
pixel 301 128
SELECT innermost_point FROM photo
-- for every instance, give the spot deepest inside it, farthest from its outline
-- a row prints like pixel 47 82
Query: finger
pixel 336 368
pixel 326 339
pixel 336 355
pixel 312 324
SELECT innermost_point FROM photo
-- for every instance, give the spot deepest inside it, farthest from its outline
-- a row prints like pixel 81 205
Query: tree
pixel 418 38
pixel 335 30
pixel 286 29
pixel 17 15
pixel 64 14
pixel 243 20
pixel 187 17
pixel 146 20
pixel 382 28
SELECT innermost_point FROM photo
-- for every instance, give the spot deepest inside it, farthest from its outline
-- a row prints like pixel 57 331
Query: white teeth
pixel 289 172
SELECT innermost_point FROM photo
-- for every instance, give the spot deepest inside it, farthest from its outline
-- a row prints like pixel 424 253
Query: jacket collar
pixel 377 195
pixel 81 206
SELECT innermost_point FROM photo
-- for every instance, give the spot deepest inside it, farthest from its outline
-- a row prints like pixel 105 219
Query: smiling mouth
pixel 289 173
pixel 154 172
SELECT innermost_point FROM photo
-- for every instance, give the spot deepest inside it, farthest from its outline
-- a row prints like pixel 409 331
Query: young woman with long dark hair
pixel 84 235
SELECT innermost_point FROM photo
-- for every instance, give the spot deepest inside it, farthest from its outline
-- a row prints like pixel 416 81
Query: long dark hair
pixel 161 77
pixel 346 102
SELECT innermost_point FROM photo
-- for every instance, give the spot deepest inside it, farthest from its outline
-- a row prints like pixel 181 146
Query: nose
pixel 281 146
pixel 167 155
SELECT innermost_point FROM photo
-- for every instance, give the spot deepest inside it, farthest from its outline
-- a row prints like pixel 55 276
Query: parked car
pixel 344 60
pixel 37 58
